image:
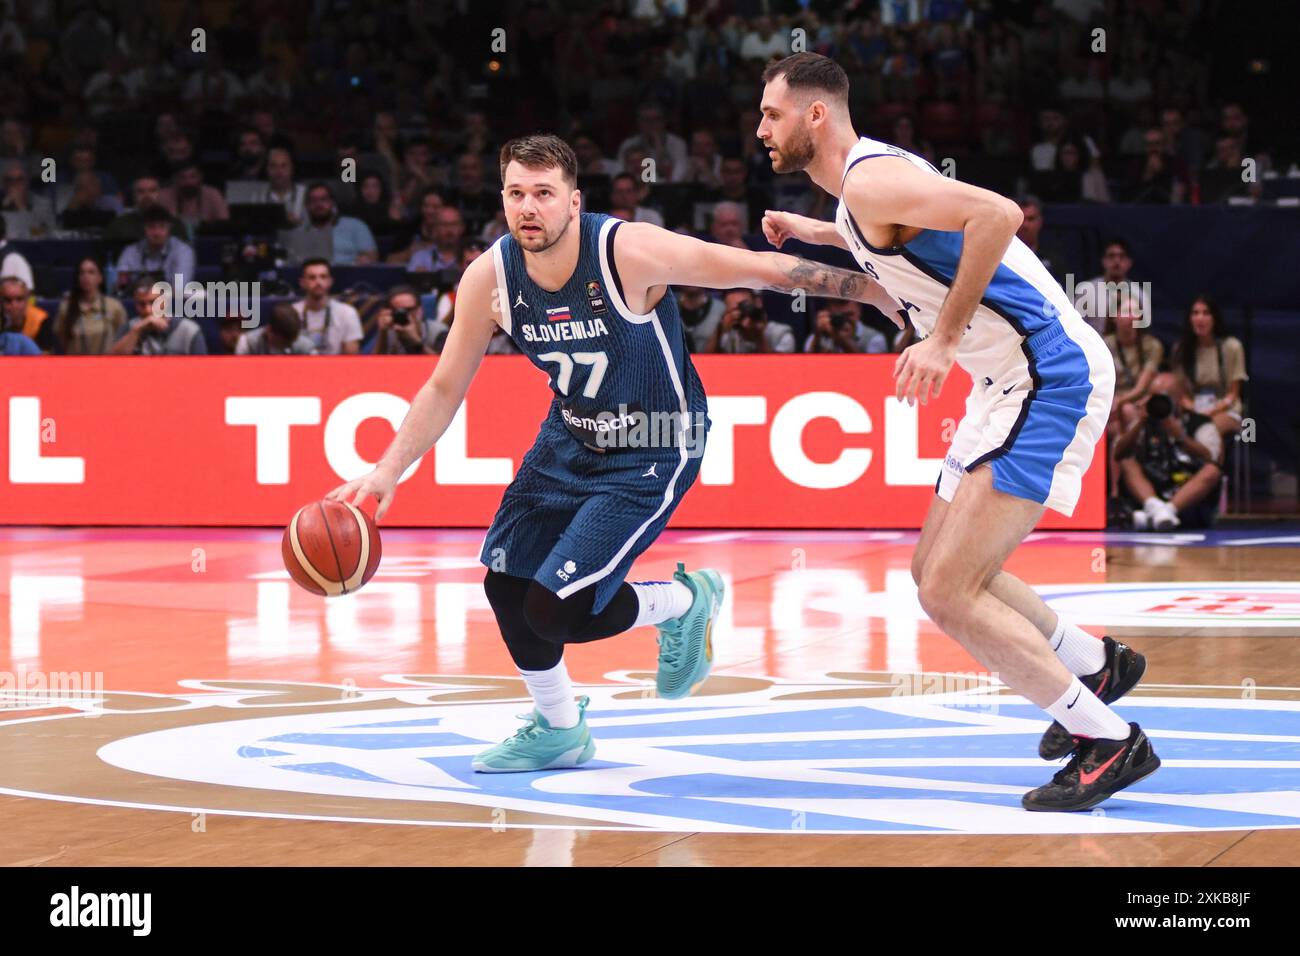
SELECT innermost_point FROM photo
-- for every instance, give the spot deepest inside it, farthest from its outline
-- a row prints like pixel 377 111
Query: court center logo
pixel 852 753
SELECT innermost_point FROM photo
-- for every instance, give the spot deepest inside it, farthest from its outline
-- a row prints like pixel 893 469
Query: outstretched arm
pixel 650 257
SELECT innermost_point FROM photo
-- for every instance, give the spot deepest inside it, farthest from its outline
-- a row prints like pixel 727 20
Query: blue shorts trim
pixel 1025 464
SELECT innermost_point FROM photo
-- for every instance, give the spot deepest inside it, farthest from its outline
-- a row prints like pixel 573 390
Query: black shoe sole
pixel 1098 796
pixel 1055 744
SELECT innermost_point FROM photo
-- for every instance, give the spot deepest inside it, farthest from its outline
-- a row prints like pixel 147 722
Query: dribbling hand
pixel 379 484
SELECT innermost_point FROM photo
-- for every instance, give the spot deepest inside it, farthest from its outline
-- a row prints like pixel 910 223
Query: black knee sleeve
pixel 553 618
pixel 506 595
pixel 570 621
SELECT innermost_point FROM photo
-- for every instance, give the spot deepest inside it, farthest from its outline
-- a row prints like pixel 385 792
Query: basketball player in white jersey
pixel 1043 382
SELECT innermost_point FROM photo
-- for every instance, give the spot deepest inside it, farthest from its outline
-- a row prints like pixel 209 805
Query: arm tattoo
pixel 814 278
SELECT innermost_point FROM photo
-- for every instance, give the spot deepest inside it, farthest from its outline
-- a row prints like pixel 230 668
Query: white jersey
pixel 1022 297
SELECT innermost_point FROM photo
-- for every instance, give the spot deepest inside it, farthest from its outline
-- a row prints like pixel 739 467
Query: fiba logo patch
pixel 845 753
pixel 567 571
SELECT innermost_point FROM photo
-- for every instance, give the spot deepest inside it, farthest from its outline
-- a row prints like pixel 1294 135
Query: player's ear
pixel 576 200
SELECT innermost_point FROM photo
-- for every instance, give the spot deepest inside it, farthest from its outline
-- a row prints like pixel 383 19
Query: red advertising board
pixel 797 441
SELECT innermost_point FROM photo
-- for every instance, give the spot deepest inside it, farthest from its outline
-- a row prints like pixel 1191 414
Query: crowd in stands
pixel 298 138
pixel 309 143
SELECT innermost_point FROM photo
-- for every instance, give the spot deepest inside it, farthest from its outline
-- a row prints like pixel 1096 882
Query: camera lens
pixel 1158 407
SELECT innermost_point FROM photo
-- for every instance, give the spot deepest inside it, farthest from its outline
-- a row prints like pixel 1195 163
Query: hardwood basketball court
pixel 172 698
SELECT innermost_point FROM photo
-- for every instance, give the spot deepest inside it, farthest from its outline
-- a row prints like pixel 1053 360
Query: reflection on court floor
pixel 182 670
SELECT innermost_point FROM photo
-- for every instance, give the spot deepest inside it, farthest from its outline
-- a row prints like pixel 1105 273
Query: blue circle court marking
pixel 759 762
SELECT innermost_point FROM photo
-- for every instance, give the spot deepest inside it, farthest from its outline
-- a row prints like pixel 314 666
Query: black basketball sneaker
pixel 1098 769
pixel 1124 667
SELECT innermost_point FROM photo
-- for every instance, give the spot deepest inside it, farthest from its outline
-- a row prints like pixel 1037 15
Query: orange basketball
pixel 331 547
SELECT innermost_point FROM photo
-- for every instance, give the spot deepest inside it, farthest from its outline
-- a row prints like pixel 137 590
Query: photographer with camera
pixel 403 329
pixel 1168 460
pixel 745 328
pixel 838 328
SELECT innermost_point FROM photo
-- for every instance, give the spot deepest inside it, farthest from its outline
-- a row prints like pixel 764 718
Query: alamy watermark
pixel 969 691
pixel 133 911
pixel 216 300
pixel 1102 299
pixel 21 689
pixel 634 428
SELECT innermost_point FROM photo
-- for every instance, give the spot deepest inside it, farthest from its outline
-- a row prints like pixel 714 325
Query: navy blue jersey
pixel 611 369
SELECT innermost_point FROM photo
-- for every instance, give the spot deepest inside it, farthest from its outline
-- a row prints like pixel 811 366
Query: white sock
pixel 1152 506
pixel 1079 651
pixel 553 695
pixel 659 601
pixel 1081 712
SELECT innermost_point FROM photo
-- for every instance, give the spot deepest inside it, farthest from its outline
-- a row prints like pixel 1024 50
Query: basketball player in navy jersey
pixel 1043 381
pixel 586 297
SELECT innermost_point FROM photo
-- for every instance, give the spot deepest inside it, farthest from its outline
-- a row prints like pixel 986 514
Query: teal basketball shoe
pixel 686 642
pixel 539 746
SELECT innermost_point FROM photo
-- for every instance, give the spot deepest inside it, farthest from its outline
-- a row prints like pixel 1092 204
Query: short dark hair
pixel 316 261
pixel 810 72
pixel 628 176
pixel 312 187
pixel 397 290
pixel 155 213
pixel 285 322
pixel 1116 241
pixel 541 151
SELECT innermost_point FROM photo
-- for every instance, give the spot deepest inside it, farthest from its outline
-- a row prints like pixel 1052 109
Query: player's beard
pixel 535 243
pixel 796 154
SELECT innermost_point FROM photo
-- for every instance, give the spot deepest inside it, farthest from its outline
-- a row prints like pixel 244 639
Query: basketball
pixel 331 547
